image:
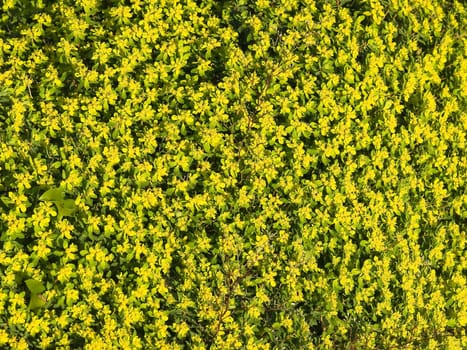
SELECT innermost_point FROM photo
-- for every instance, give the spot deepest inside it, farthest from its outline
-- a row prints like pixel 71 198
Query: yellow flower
pixel 34 326
pixel 182 330
pixel 254 312
pixel 4 339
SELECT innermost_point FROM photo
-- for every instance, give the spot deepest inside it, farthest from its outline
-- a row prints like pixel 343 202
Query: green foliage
pixel 236 174
pixel 53 195
pixel 65 207
pixel 37 301
pixel 34 286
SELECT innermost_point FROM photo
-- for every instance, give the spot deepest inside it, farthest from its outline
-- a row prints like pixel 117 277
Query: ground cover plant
pixel 271 174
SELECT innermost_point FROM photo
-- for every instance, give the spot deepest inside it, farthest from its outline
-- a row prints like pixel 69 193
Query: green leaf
pixel 37 301
pixel 34 286
pixel 6 200
pixel 66 207
pixel 4 95
pixel 452 323
pixel 52 195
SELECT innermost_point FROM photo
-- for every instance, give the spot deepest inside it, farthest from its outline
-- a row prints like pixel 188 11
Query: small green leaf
pixel 4 95
pixel 37 301
pixel 52 195
pixel 66 207
pixel 35 286
pixel 452 323
pixel 6 200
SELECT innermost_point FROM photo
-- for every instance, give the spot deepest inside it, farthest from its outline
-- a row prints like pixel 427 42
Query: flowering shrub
pixel 271 174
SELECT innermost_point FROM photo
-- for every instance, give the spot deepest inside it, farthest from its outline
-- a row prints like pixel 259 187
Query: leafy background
pixel 233 174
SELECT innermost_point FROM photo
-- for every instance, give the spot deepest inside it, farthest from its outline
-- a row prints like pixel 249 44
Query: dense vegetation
pixel 233 174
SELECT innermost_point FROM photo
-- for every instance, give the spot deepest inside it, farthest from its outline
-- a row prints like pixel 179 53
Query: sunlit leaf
pixel 37 301
pixel 34 286
pixel 66 207
pixel 52 195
